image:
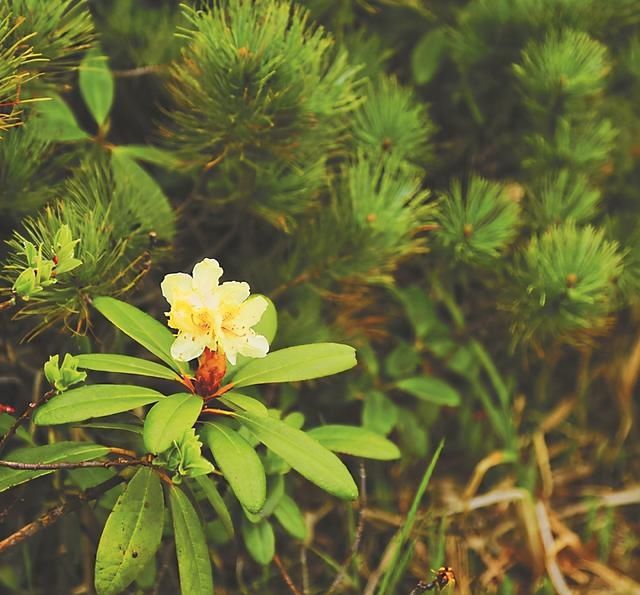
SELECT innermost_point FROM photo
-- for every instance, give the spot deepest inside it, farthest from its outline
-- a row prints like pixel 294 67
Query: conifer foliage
pixel 450 188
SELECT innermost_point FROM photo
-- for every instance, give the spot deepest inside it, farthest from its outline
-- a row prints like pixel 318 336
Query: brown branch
pixel 285 575
pixel 24 416
pixel 55 514
pixel 355 546
pixel 77 465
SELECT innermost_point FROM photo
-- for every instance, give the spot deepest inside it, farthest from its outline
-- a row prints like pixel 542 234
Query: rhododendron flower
pixel 207 314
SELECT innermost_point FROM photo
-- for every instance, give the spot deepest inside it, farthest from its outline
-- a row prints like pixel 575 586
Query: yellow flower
pixel 207 314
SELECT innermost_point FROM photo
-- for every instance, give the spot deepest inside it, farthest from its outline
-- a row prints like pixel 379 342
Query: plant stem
pixel 78 465
pixel 55 514
pixel 24 416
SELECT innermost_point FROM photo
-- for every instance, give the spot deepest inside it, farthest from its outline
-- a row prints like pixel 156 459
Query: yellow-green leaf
pixel 356 441
pixel 124 364
pixel 96 85
pixel 169 419
pixel 240 464
pixel 302 362
pixel 142 328
pixel 131 535
pixel 95 400
pixel 194 565
pixel 305 454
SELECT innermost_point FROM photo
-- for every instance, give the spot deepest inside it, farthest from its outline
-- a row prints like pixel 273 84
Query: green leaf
pixel 194 564
pixel 148 154
pixel 212 494
pixel 107 425
pixel 169 419
pixel 260 540
pixel 291 517
pixel 96 85
pixel 96 400
pixel 275 491
pixel 380 413
pixel 142 328
pixel 302 362
pixel 355 441
pixel 420 310
pixel 402 361
pixel 131 535
pixel 432 390
pixel 303 453
pixel 240 464
pixel 56 122
pixel 69 452
pixel 124 364
pixel 151 205
pixel 427 55
pixel 7 421
pixel 268 324
pixel 239 402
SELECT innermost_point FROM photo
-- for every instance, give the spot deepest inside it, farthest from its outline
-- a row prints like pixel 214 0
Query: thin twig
pixel 355 546
pixel 285 575
pixel 305 570
pixel 24 416
pixel 77 465
pixel 139 71
pixel 55 514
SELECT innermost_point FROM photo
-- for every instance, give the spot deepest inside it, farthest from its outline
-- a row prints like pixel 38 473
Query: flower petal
pixel 187 347
pixel 255 346
pixel 206 275
pixel 232 293
pixel 175 284
pixel 250 312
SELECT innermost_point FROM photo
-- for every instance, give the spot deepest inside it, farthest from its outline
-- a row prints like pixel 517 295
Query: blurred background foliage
pixel 452 187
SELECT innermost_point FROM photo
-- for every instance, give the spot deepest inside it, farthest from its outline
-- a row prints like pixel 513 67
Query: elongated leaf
pixel 69 452
pixel 306 455
pixel 194 564
pixel 355 441
pixel 148 154
pixel 95 400
pixel 432 390
pixel 297 363
pixel 240 464
pixel 427 55
pixel 260 540
pixel 107 425
pixel 96 85
pixel 239 402
pixel 268 324
pixel 210 490
pixel 169 419
pixel 142 328
pixel 291 517
pixel 151 205
pixel 131 535
pixel 56 122
pixel 124 364
pixel 407 528
pixel 380 413
pixel 275 491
